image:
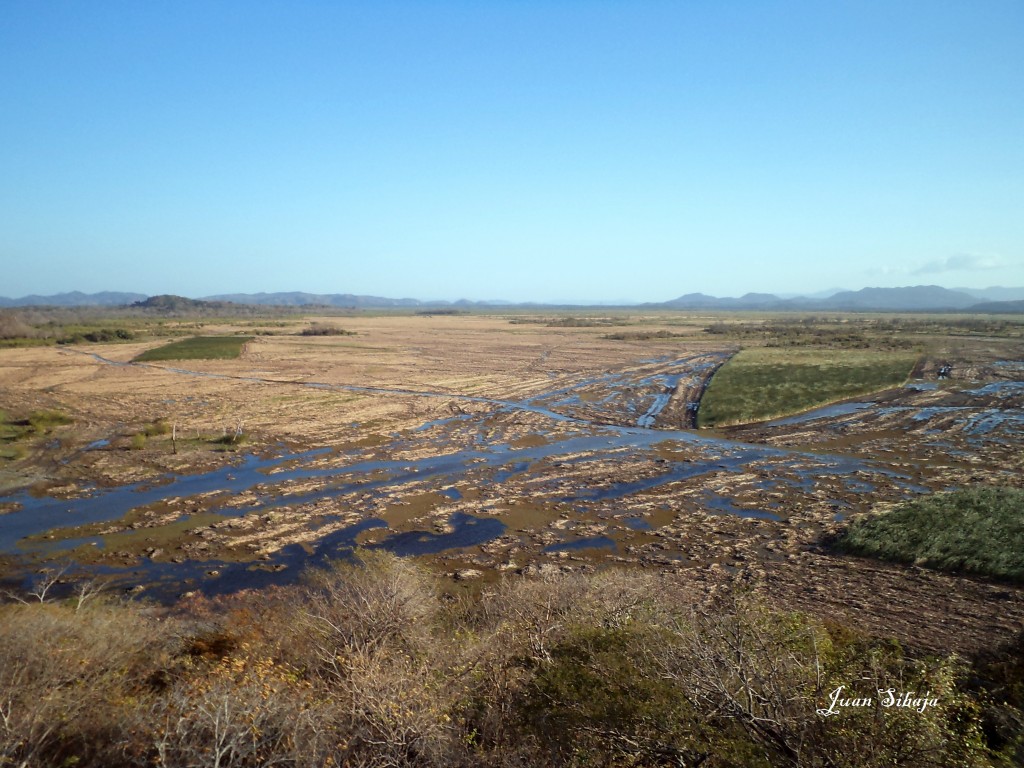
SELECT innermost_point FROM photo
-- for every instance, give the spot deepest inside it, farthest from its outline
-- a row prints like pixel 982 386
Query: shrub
pixel 157 427
pixel 43 421
pixel 321 329
pixel 71 680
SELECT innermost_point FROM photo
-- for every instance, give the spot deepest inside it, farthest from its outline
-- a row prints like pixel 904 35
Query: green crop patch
pixel 198 348
pixel 761 384
pixel 977 530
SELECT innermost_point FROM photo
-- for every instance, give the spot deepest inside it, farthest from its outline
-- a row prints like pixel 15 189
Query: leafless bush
pixel 237 712
pixel 66 677
pixel 13 327
pixel 383 603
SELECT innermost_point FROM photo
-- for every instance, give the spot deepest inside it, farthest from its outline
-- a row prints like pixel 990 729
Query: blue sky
pixel 579 151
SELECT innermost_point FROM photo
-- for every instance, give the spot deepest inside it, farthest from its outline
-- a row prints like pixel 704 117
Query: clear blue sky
pixel 510 150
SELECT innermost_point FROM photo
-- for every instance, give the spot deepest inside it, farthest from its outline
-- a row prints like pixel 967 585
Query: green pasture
pixel 198 348
pixel 765 383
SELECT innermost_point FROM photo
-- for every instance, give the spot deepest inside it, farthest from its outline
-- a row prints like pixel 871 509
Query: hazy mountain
pixel 692 301
pixel 74 299
pixel 298 298
pixel 994 293
pixel 999 307
pixel 747 301
pixel 816 295
pixel 910 298
pixel 917 297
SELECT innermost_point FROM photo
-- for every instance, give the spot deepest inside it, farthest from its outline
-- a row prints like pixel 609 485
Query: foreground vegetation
pixel 976 530
pixel 371 666
pixel 198 348
pixel 765 383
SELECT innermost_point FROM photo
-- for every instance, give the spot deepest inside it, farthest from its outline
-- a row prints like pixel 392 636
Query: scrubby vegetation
pixel 323 329
pixel 95 336
pixel 372 666
pixel 759 384
pixel 198 348
pixel 974 530
pixel 15 432
pixel 570 321
pixel 859 332
pixel 643 335
pixel 16 332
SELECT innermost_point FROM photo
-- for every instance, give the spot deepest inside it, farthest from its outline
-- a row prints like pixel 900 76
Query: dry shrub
pixel 13 327
pixel 367 665
pixel 69 680
pixel 371 641
pixel 380 604
pixel 757 677
pixel 241 711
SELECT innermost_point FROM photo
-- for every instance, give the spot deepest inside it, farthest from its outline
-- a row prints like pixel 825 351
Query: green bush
pixel 976 530
pixel 157 427
pixel 43 421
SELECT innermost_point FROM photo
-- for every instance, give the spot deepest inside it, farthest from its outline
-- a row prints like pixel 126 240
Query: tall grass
pixel 976 530
pixel 760 384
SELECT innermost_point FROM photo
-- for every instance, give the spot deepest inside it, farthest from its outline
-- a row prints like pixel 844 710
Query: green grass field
pixel 198 348
pixel 765 383
pixel 977 530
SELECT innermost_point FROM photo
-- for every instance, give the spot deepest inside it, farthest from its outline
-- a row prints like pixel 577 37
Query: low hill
pixel 171 303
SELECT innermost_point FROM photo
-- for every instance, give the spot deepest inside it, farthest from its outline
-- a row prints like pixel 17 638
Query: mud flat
pixel 484 446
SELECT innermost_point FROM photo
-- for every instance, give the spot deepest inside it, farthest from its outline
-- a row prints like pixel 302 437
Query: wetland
pixel 493 444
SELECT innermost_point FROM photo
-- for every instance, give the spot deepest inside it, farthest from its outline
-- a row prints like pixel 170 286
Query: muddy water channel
pixel 570 478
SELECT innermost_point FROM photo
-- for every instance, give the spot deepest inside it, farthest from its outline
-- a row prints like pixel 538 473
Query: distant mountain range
pixel 298 299
pixel 918 298
pixel 74 299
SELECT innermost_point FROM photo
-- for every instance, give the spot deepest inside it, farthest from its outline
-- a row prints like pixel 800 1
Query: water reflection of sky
pixel 488 461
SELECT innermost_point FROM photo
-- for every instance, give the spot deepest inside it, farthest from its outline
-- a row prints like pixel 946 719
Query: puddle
pixel 637 524
pixel 468 531
pixel 594 542
pixel 999 389
pixel 722 505
pixel 828 412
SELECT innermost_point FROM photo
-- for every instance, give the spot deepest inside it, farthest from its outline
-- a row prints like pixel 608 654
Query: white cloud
pixel 962 262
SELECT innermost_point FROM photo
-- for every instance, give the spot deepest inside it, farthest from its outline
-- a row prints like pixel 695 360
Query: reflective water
pixel 471 451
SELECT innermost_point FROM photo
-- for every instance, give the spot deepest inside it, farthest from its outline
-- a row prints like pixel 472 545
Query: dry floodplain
pixel 493 444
